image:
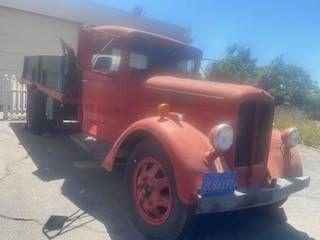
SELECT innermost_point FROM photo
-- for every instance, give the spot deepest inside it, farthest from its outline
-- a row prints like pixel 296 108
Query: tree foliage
pixel 312 105
pixel 288 83
pixel 237 66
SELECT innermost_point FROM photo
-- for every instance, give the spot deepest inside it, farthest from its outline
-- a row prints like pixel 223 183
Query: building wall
pixel 90 13
pixel 24 33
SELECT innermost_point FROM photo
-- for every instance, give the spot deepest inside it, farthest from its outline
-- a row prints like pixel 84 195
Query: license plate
pixel 218 183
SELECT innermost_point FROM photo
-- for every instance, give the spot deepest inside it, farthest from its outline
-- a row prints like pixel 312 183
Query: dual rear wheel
pixel 37 121
pixel 36 117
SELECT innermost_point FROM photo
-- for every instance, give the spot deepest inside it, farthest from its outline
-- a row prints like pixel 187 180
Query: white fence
pixel 13 98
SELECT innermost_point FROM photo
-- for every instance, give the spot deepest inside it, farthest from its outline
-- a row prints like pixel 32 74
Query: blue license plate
pixel 218 183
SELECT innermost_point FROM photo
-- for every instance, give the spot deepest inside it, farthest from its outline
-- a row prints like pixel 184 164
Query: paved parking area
pixel 39 179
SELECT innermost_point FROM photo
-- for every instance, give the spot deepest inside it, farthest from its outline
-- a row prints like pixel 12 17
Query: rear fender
pixel 184 145
pixel 283 162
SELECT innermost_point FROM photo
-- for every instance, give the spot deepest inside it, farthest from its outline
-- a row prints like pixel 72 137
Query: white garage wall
pixel 23 33
pixel 90 13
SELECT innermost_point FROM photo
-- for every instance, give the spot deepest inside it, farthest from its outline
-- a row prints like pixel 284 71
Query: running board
pixel 96 148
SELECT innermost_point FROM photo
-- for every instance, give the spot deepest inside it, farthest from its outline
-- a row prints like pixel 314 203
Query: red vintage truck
pixel 188 146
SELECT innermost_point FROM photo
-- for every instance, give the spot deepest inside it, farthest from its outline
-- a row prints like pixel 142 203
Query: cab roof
pixel 126 31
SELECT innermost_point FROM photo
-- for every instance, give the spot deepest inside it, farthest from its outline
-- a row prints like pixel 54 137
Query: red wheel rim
pixel 152 191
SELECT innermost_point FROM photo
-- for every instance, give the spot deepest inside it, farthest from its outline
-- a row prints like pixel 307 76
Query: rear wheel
pixel 36 112
pixel 154 206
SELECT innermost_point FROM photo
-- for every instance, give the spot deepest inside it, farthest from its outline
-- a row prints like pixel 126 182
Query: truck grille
pixel 254 128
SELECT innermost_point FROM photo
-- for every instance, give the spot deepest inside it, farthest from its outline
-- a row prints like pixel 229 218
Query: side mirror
pixel 106 64
pixel 101 63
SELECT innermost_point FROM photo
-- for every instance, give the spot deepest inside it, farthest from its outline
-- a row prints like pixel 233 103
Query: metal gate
pixel 13 98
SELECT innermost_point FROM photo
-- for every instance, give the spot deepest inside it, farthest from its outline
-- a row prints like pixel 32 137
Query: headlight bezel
pixel 290 137
pixel 222 137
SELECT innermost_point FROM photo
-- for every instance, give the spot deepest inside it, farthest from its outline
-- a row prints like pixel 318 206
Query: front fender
pixel 185 146
pixel 283 162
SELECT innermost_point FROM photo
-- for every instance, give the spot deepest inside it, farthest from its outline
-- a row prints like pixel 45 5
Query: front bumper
pixel 251 197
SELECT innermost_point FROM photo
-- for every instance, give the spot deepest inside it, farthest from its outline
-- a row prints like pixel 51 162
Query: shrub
pixel 312 106
pixel 290 117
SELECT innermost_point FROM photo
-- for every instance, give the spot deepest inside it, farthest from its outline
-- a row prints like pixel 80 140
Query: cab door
pixel 103 93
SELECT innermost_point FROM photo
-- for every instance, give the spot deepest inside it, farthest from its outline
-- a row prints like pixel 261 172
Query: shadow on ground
pixel 99 195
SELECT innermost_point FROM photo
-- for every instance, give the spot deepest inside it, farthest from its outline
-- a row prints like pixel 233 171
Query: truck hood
pixel 203 88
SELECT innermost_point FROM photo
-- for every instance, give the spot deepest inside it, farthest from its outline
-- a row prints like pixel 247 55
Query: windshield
pixel 164 58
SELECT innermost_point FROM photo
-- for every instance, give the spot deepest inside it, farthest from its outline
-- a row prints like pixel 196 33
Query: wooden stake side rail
pixel 53 93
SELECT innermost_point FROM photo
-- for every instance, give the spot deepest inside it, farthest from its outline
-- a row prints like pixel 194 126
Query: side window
pixel 138 61
pixel 107 61
pixel 186 66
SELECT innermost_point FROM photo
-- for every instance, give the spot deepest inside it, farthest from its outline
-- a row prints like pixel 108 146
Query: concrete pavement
pixel 39 179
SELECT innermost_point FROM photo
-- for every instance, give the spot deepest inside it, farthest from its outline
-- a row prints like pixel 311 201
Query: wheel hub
pixel 152 191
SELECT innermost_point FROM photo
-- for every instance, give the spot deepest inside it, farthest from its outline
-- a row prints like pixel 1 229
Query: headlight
pixel 221 137
pixel 290 137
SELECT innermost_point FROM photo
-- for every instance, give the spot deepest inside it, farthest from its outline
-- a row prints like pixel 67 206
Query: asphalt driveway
pixel 40 180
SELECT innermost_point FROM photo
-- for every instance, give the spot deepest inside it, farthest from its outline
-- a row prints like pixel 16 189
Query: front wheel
pixel 154 206
pixel 274 206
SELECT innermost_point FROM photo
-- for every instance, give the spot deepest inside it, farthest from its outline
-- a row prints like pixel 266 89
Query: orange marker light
pixel 163 109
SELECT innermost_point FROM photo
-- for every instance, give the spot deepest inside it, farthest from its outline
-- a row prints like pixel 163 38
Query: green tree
pixel 312 105
pixel 237 66
pixel 288 83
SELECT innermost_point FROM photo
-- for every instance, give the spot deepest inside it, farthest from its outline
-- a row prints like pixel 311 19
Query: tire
pixel 274 206
pixel 272 210
pixel 36 119
pixel 172 220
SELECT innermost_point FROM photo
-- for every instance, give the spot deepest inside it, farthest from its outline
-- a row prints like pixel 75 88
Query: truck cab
pixel 116 69
pixel 189 145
